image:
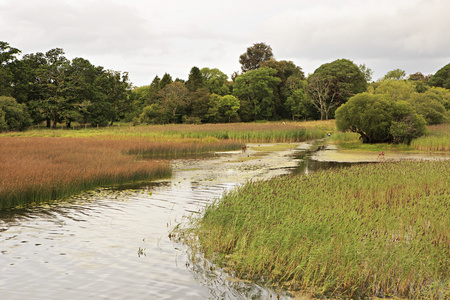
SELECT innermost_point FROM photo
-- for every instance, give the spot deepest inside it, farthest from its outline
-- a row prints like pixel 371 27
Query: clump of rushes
pixel 37 169
pixel 438 139
pixel 370 230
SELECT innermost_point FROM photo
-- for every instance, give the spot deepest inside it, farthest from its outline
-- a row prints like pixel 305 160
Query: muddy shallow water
pixel 115 244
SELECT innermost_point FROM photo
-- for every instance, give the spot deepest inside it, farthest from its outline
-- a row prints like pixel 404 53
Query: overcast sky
pixel 151 37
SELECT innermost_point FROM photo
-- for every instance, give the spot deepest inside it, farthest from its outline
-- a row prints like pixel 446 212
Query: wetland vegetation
pixel 368 230
pixel 42 165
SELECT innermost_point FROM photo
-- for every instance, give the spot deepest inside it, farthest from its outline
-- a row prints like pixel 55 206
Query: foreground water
pixel 115 245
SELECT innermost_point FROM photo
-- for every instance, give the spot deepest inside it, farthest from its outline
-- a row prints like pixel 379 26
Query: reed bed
pixel 370 230
pixel 37 169
pixel 438 139
pixel 242 132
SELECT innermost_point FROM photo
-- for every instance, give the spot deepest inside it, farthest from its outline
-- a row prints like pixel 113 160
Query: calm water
pixel 115 245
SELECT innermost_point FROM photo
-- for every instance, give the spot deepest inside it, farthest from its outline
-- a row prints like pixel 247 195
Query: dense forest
pixel 47 88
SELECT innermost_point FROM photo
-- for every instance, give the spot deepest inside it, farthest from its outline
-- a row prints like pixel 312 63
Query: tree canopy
pixel 257 87
pixel 50 88
pixel 254 56
pixel 441 78
pixel 332 84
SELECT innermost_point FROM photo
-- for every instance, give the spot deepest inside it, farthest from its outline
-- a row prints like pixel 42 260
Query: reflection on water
pixel 112 245
pixel 307 165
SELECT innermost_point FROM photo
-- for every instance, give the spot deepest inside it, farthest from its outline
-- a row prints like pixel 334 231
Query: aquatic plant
pixel 369 230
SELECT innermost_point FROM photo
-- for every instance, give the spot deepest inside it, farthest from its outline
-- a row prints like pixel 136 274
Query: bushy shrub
pixel 377 118
pixel 13 116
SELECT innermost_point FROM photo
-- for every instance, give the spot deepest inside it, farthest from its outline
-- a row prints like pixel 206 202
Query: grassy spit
pixel 369 230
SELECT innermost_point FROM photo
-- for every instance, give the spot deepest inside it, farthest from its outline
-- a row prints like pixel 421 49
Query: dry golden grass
pixel 37 169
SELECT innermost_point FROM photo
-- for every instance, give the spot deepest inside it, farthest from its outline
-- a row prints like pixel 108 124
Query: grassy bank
pixel 370 230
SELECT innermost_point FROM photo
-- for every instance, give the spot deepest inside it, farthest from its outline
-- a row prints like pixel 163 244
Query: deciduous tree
pixel 215 80
pixel 173 98
pixel 257 87
pixel 332 84
pixel 254 56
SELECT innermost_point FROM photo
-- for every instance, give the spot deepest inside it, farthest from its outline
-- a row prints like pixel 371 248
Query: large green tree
pixel 113 104
pixel 285 70
pixel 215 80
pixel 441 78
pixel 52 78
pixel 254 56
pixel 332 84
pixel 257 88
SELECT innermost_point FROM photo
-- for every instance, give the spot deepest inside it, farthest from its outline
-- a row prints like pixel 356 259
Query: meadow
pixel 369 230
pixel 43 164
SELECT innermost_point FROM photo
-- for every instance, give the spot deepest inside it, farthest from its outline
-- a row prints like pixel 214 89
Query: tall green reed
pixel 370 230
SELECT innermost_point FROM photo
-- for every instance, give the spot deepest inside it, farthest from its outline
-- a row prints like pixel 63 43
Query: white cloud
pixel 150 37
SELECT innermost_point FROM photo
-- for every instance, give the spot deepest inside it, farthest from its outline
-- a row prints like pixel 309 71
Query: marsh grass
pixel 370 230
pixel 242 132
pixel 42 164
pixel 437 139
pixel 39 169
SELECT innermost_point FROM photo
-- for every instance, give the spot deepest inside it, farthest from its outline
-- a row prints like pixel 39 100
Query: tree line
pixel 47 87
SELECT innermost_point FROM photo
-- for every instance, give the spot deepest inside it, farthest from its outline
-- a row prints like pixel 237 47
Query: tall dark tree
pixel 81 91
pixel 114 87
pixel 165 80
pixel 254 56
pixel 52 79
pixel 195 80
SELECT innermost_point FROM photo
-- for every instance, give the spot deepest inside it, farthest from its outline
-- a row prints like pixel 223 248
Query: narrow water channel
pixel 115 245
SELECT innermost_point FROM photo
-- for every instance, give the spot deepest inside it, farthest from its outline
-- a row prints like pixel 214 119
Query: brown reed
pixel 38 169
